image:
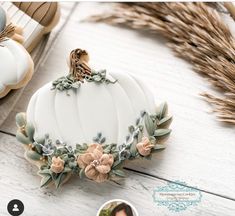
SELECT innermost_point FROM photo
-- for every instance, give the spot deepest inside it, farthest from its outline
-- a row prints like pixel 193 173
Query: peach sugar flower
pixel 57 165
pixel 96 164
pixel 144 147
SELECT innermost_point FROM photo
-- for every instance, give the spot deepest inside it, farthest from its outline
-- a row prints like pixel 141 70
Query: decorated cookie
pixel 35 18
pixel 89 123
pixel 16 65
pixel 4 21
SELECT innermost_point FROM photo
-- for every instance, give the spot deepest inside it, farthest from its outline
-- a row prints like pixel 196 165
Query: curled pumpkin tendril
pixel 79 64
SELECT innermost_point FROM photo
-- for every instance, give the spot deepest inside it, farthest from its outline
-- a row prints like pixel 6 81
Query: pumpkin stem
pixel 79 64
pixel 7 32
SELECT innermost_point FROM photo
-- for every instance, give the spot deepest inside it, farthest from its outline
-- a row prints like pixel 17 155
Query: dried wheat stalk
pixel 196 33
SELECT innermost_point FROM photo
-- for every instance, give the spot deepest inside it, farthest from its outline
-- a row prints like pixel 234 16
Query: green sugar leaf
pixel 159 147
pixel 67 170
pixel 33 155
pixel 30 131
pixel 40 140
pixel 118 172
pixel 60 179
pixel 131 129
pixel 46 180
pixel 161 132
pixel 45 172
pixel 117 164
pixel 133 149
pixel 149 124
pixel 82 173
pixel 102 140
pixel 22 138
pixel 72 165
pixel 20 119
pixel 162 111
pixel 165 121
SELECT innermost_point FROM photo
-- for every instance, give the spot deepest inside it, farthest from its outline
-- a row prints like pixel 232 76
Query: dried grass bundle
pixel 196 33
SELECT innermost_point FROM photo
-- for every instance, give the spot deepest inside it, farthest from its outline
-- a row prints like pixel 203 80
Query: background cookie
pixel 16 65
pixel 35 18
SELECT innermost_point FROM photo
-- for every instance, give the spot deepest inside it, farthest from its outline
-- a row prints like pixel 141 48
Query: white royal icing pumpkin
pixel 16 65
pixel 89 123
pixel 93 108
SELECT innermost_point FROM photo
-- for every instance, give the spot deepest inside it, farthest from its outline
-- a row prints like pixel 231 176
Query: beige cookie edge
pixel 23 82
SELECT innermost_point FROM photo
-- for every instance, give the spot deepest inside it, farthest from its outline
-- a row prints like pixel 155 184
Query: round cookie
pixel 89 123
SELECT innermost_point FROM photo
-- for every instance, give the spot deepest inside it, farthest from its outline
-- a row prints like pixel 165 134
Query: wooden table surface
pixel 200 151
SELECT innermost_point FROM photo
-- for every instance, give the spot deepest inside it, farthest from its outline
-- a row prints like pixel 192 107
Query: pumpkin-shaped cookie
pixel 16 65
pixel 4 20
pixel 90 122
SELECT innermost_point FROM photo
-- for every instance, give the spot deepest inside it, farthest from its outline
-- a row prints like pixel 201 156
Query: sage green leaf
pixel 44 172
pixel 113 146
pixel 60 179
pixel 161 132
pixel 117 164
pixel 49 159
pixel 159 147
pixel 131 129
pixel 152 139
pixel 72 165
pixel 54 176
pixel 22 138
pixel 139 137
pixel 67 170
pixel 162 110
pixel 118 172
pixel 107 150
pixel 141 127
pixel 38 148
pixel 33 155
pixel 30 131
pixel 165 121
pixel 46 180
pixel 137 121
pixel 40 140
pixel 102 140
pixel 82 173
pixel 133 149
pixel 20 119
pixel 149 124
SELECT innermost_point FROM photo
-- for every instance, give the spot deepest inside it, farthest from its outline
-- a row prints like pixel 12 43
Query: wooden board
pixel 19 180
pixel 199 152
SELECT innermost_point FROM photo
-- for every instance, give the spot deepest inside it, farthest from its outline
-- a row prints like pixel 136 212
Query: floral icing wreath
pixel 97 161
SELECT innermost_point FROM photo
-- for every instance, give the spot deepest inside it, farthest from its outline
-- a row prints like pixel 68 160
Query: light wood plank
pixel 200 150
pixel 82 197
